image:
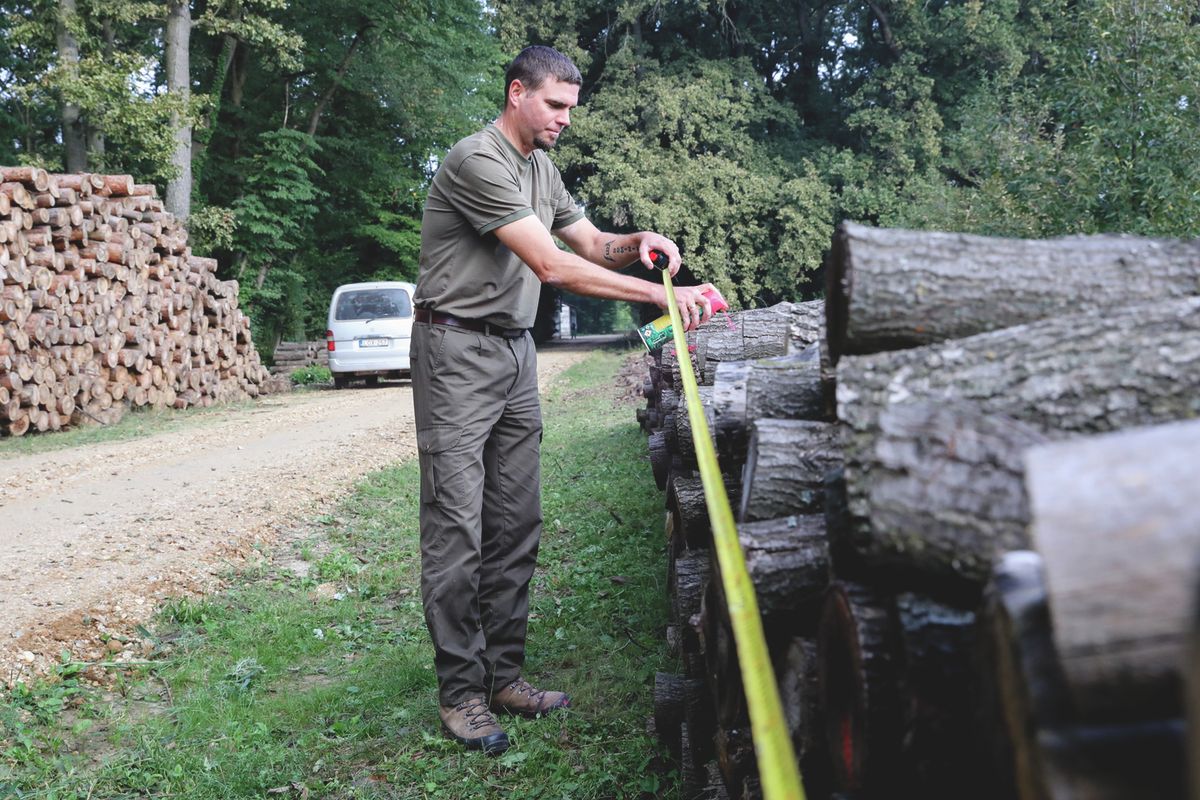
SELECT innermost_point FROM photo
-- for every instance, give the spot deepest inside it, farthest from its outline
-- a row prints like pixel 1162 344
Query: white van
pixel 370 326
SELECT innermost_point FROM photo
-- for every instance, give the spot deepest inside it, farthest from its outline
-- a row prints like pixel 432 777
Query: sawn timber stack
pixel 103 306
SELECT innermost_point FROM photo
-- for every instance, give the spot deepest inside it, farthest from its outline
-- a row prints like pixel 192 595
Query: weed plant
pixel 318 683
pixel 306 376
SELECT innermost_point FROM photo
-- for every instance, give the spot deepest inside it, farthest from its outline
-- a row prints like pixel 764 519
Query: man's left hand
pixel 653 241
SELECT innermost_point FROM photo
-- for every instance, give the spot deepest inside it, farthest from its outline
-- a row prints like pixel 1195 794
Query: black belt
pixel 479 326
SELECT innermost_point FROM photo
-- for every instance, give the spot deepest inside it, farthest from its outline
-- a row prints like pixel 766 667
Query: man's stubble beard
pixel 542 144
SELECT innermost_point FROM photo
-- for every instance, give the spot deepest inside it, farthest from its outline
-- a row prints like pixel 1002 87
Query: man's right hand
pixel 694 308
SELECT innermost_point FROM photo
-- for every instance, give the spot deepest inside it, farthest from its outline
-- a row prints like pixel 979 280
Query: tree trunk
pixel 786 467
pixel 935 492
pixel 96 144
pixel 1116 522
pixel 201 141
pixel 178 73
pixel 893 289
pixel 327 95
pixel 1084 373
pixel 74 143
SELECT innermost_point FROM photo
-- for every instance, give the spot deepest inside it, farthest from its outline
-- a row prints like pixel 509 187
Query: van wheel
pixel 372 380
pixel 340 381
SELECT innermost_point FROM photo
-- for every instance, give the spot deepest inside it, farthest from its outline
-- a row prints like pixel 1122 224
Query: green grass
pixel 324 684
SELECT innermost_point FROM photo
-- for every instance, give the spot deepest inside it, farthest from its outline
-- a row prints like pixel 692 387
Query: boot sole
pixel 492 745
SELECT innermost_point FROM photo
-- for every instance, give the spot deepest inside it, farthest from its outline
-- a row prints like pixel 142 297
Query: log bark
pixel 1046 752
pixel 893 289
pixel 670 701
pixel 735 757
pixel 935 493
pixel 1023 689
pixel 783 387
pixel 788 562
pixel 684 443
pixel 1116 522
pixel 757 333
pixel 937 642
pixel 1085 373
pixel 800 694
pixel 686 587
pixel 786 466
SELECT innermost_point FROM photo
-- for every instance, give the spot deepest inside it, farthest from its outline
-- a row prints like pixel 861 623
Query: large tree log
pixel 1042 751
pixel 800 694
pixel 686 586
pixel 1085 373
pixel 937 647
pixel 757 333
pixel 892 289
pixel 788 562
pixel 783 387
pixel 1116 521
pixel 786 465
pixel 1022 689
pixel 935 494
pixel 857 653
pixel 670 701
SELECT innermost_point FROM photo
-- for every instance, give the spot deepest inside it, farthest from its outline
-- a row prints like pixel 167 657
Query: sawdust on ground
pixel 94 539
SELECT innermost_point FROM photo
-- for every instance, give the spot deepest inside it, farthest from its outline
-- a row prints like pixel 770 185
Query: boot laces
pixel 523 687
pixel 476 712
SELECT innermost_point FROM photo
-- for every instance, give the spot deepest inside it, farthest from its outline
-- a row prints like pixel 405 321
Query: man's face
pixel 546 112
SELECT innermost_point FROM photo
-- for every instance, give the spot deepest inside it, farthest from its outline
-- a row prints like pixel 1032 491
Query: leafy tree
pixel 1123 87
pixel 273 217
pixel 686 150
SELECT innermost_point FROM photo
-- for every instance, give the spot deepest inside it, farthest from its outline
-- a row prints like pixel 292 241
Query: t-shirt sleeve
pixel 487 195
pixel 566 211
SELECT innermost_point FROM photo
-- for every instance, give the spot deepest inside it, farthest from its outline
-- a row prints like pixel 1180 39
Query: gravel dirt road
pixel 94 538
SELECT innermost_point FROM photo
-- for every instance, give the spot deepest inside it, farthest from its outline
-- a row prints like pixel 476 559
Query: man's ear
pixel 516 90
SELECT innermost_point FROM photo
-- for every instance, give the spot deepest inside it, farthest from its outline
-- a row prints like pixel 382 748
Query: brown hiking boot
pixel 471 723
pixel 521 698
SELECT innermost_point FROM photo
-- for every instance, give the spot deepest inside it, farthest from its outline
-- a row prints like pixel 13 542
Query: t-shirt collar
pixel 528 159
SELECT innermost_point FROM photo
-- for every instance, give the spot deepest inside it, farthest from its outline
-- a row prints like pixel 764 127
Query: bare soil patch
pixel 93 539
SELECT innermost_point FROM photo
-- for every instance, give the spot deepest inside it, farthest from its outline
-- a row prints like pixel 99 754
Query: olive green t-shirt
pixel 483 184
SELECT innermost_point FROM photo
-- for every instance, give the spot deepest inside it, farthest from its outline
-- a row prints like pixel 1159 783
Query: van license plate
pixel 374 342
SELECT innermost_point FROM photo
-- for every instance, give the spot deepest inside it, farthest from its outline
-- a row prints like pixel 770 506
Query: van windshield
pixel 373 304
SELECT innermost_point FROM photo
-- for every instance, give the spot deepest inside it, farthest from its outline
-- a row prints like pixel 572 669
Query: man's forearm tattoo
pixel 610 251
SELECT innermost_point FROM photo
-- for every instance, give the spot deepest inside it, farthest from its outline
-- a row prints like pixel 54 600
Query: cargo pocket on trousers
pixel 444 478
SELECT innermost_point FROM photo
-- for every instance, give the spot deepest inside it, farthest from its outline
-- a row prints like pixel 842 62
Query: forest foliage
pixel 743 129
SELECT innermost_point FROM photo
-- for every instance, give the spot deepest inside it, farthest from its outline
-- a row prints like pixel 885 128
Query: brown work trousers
pixel 479 430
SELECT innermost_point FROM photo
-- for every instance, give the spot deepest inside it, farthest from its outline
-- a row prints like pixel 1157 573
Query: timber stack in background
pixel 291 356
pixel 964 487
pixel 103 306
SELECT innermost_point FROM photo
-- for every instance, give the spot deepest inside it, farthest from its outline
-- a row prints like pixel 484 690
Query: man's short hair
pixel 536 63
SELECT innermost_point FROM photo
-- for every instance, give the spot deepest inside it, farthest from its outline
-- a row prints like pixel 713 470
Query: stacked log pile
pixel 291 356
pixel 103 306
pixel 976 565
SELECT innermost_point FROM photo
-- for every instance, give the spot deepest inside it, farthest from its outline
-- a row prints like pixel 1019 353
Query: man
pixel 486 248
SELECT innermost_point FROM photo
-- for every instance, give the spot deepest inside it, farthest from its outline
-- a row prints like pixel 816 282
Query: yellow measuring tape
pixel 777 768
